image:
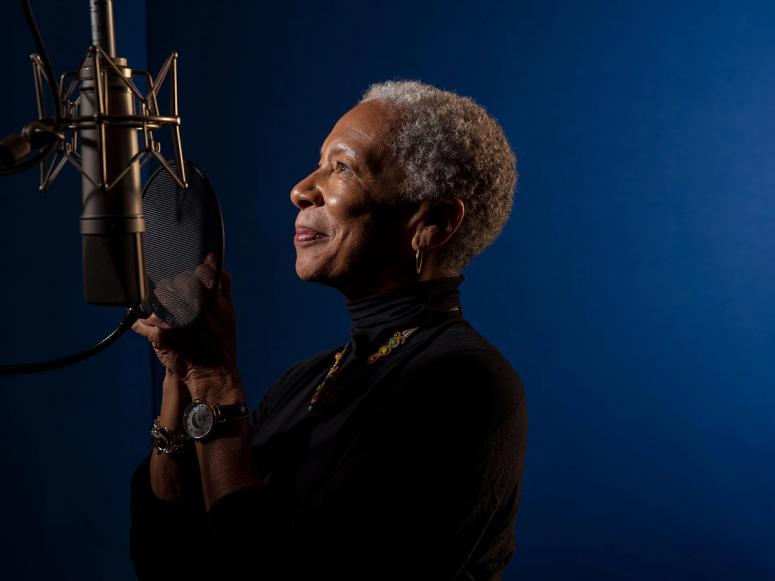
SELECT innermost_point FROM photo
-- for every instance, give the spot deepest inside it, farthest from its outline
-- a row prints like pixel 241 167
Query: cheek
pixel 370 238
pixel 358 228
pixel 346 244
pixel 348 219
pixel 345 201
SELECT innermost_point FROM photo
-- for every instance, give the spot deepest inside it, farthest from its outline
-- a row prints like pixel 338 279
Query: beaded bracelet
pixel 166 442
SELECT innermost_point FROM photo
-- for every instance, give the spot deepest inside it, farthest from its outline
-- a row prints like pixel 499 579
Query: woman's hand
pixel 202 355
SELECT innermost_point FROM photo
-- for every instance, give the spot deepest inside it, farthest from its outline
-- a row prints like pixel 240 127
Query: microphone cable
pixel 130 317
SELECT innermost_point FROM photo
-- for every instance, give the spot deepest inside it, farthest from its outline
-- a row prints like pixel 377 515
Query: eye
pixel 340 167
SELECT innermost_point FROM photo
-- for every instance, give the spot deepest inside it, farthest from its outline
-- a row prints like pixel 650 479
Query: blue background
pixel 632 288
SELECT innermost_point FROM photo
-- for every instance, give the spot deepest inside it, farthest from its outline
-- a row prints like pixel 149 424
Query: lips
pixel 304 234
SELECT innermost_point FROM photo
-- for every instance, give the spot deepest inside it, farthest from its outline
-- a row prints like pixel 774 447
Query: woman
pixel 396 456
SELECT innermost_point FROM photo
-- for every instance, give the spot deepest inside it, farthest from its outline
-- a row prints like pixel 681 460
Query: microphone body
pixel 112 222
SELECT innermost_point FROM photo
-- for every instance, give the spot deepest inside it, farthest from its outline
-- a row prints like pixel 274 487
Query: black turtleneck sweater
pixel 407 468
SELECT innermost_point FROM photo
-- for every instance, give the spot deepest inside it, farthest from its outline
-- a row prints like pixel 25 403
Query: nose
pixel 306 193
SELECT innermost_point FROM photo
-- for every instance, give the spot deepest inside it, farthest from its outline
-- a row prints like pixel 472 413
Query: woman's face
pixel 349 230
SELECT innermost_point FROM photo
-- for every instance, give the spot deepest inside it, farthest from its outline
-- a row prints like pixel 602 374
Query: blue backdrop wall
pixel 632 288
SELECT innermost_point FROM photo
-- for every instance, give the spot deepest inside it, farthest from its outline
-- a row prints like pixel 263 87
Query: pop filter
pixel 184 245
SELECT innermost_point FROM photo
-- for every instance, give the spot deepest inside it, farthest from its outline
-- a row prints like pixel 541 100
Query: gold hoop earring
pixel 418 260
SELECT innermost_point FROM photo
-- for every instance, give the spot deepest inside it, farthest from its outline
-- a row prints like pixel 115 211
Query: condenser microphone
pixel 112 222
pixel 105 120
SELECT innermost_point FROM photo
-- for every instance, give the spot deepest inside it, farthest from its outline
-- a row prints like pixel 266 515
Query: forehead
pixel 362 129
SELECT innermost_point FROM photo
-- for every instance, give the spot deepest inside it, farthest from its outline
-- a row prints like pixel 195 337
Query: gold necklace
pixel 398 339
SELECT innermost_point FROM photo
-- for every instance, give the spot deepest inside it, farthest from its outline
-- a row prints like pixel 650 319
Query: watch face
pixel 198 420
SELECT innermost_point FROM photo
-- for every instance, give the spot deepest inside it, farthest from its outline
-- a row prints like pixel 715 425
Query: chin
pixel 302 273
pixel 309 272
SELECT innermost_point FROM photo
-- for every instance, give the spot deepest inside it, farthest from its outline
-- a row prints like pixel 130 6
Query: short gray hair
pixel 448 145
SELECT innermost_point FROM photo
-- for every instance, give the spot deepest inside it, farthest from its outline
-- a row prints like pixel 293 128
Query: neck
pixel 376 317
pixel 390 280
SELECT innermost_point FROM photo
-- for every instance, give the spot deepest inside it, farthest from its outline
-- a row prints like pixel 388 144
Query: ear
pixel 434 222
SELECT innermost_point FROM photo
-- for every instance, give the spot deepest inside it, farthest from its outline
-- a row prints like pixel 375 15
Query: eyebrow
pixel 339 148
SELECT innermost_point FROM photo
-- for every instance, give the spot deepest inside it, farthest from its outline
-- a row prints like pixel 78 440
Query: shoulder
pixel 459 352
pixel 459 372
pixel 461 339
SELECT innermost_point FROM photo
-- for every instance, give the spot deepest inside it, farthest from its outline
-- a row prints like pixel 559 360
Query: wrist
pixel 172 418
pixel 173 443
pixel 221 386
pixel 174 399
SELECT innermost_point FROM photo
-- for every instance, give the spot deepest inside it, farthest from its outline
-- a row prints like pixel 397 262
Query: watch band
pixel 228 413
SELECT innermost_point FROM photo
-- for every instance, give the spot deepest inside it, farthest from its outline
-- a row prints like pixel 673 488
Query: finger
pixel 154 337
pixel 150 333
pixel 205 272
pixel 165 292
pixel 210 260
pixel 206 275
pixel 155 321
pixel 180 296
pixel 138 328
pixel 189 296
